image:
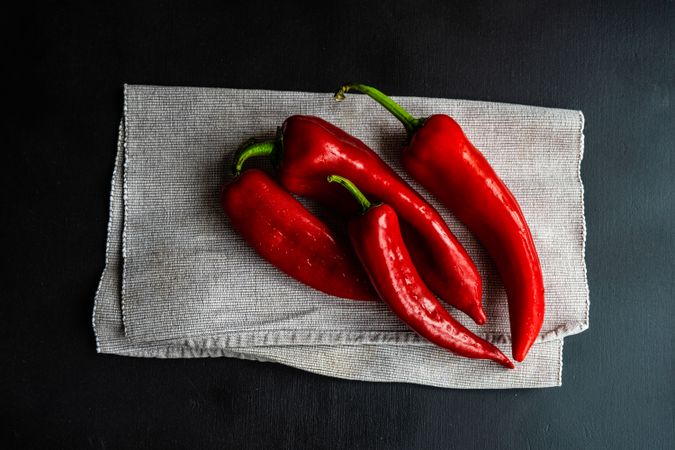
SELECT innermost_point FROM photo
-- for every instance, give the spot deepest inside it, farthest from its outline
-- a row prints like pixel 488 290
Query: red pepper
pixel 309 149
pixel 441 158
pixel 376 236
pixel 287 235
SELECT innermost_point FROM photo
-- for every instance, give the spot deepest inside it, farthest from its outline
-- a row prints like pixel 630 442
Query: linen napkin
pixel 179 282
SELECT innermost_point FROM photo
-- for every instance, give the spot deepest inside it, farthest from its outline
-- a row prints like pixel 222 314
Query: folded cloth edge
pixel 182 350
pixel 260 337
pixel 173 349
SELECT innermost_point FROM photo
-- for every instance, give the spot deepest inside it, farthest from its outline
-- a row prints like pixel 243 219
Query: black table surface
pixel 615 61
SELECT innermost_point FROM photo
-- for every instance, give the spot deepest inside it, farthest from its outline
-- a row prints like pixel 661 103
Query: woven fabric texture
pixel 179 282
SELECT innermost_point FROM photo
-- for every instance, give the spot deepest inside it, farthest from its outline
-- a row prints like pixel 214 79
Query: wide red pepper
pixel 376 237
pixel 309 149
pixel 441 158
pixel 290 237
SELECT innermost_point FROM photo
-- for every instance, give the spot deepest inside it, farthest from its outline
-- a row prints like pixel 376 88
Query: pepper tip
pixel 504 361
pixel 478 316
pixel 497 356
pixel 520 349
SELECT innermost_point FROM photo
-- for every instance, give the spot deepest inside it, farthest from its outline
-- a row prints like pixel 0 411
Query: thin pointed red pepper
pixel 309 149
pixel 441 158
pixel 376 237
pixel 290 237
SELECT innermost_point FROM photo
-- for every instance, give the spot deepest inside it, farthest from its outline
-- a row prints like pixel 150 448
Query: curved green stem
pixel 251 151
pixel 410 123
pixel 351 187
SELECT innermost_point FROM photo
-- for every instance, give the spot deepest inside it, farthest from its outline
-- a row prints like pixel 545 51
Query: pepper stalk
pixel 253 148
pixel 356 193
pixel 410 123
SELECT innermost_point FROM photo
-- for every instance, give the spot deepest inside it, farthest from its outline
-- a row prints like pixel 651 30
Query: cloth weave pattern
pixel 179 282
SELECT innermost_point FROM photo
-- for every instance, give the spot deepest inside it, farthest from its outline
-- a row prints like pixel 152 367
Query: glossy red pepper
pixel 376 237
pixel 290 237
pixel 441 158
pixel 309 149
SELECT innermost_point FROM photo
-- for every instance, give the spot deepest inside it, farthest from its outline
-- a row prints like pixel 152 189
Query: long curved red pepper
pixel 441 158
pixel 290 237
pixel 309 149
pixel 376 237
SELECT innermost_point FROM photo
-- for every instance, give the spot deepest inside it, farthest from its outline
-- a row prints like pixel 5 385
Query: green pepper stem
pixel 265 148
pixel 410 123
pixel 351 187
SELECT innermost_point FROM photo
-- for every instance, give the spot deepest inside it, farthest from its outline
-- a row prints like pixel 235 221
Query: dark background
pixel 613 60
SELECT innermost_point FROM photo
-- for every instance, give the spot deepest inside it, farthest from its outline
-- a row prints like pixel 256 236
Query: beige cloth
pixel 179 282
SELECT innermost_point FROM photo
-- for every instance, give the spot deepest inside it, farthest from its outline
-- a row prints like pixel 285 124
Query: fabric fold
pixel 179 282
